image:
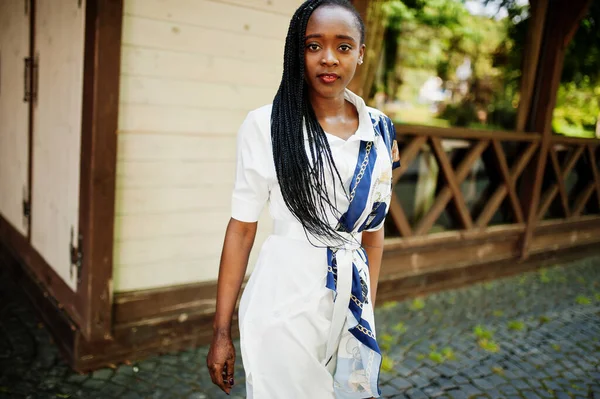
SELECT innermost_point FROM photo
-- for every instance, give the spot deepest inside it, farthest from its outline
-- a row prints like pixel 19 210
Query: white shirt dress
pixel 306 321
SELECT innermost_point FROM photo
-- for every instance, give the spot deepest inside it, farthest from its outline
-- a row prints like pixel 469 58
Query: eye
pixel 345 48
pixel 312 47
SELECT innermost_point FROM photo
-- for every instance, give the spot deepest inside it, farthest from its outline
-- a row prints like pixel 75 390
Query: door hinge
pixel 30 79
pixel 76 253
pixel 26 207
pixel 27 80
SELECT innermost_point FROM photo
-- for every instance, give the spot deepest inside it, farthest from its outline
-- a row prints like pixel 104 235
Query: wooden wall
pixel 190 72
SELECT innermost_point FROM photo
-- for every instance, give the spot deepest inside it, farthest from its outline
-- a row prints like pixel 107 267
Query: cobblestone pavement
pixel 531 336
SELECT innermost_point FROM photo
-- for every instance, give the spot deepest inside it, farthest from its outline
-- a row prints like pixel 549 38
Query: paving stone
pixel 102 374
pixel 483 384
pixel 401 383
pixel 416 394
pixel 458 394
pixel 530 395
pixel 419 381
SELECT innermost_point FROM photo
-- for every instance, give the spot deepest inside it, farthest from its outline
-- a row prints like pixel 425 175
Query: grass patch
pixel 556 347
pixel 498 370
pixel 436 357
pixel 386 342
pixel 544 276
pixel 482 333
pixel 417 304
pixel 448 353
pixel 516 325
pixel 399 328
pixel 583 300
pixel 489 345
pixel 597 296
pixel 389 305
pixel 387 364
pixel 498 313
pixel 544 319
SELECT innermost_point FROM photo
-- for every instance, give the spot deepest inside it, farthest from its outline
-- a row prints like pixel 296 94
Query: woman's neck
pixel 336 115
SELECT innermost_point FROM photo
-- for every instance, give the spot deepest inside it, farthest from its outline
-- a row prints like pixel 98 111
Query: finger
pixel 224 385
pixel 229 365
pixel 215 373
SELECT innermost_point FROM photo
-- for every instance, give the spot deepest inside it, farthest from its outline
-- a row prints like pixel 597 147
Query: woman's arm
pixel 239 239
pixel 372 242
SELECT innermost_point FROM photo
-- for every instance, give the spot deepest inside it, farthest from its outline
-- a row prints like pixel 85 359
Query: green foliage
pixel 417 304
pixel 544 276
pixel 583 300
pixel 498 313
pixel 448 353
pixel 436 357
pixel 385 343
pixel 489 345
pixel 516 325
pixel 399 328
pixel 387 364
pixel 482 333
pixel 389 305
pixel 577 108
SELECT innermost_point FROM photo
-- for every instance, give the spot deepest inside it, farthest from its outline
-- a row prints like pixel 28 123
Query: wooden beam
pixel 519 166
pixel 509 182
pixel 408 155
pixel 399 217
pixel 540 118
pixel 535 29
pixel 446 167
pixel 445 193
pixel 98 163
pixel 560 182
pixel 582 199
pixel 465 133
pixel 595 171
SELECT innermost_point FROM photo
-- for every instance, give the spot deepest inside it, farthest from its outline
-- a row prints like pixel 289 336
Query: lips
pixel 328 78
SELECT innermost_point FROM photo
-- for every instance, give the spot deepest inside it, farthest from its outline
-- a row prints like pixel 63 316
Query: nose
pixel 329 58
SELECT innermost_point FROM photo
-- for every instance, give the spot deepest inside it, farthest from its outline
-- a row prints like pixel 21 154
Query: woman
pixel 322 160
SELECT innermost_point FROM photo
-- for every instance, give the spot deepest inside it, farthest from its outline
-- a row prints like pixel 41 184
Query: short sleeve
pixel 251 188
pixel 394 144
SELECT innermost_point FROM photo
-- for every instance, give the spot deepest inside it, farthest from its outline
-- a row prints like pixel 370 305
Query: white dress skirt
pixel 306 321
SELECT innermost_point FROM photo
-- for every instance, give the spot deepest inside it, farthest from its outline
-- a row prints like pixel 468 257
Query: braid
pixel 302 179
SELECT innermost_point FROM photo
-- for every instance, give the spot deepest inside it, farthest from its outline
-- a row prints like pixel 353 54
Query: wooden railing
pixel 570 189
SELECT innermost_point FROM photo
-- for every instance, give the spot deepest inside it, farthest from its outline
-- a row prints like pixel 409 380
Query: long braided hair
pixel 302 180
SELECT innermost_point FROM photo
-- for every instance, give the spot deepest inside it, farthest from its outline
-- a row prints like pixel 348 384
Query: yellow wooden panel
pixel 145 146
pixel 284 7
pixel 175 248
pixel 178 119
pixel 172 92
pixel 192 39
pixel 14 114
pixel 149 62
pixel 172 268
pixel 207 14
pixel 137 174
pixel 149 200
pixel 140 226
pixel 57 132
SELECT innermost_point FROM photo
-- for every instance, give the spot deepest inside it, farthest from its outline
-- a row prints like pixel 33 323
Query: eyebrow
pixel 317 35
